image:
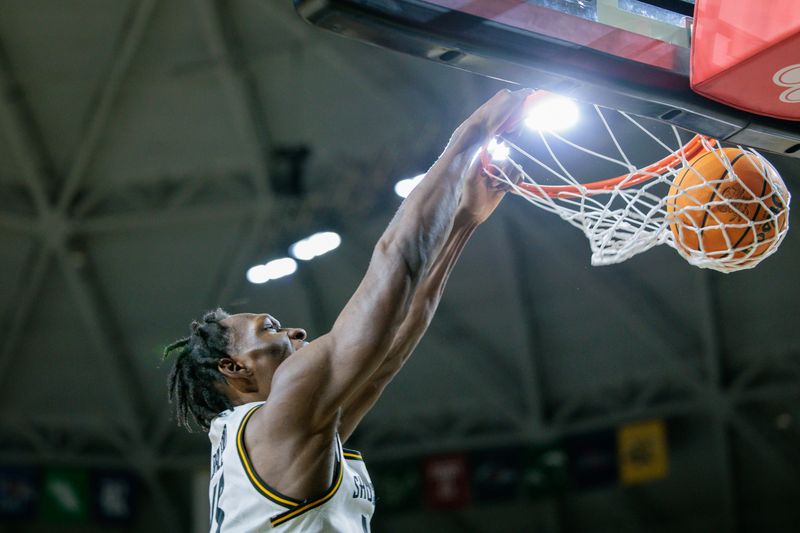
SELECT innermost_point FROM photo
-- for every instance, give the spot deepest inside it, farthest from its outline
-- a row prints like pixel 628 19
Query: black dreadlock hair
pixel 191 385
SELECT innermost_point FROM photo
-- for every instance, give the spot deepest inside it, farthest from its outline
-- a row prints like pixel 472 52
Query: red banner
pixel 446 482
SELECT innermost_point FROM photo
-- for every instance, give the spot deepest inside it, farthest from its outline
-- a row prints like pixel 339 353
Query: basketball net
pixel 643 207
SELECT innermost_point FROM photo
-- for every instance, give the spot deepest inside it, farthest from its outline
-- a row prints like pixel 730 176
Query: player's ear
pixel 230 368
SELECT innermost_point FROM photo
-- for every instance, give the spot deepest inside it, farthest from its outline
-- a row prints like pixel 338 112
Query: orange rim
pixel 690 150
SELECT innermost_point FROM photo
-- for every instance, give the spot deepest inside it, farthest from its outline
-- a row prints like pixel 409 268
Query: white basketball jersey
pixel 242 503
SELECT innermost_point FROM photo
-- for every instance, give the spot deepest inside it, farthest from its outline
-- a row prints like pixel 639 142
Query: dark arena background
pixel 153 151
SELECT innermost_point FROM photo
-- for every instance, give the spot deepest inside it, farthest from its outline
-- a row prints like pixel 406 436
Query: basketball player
pixel 278 408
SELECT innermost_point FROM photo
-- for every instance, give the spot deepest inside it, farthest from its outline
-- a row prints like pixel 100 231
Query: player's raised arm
pixel 480 197
pixel 315 383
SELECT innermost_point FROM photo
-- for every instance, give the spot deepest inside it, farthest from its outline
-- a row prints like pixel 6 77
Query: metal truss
pixel 72 440
pixel 66 210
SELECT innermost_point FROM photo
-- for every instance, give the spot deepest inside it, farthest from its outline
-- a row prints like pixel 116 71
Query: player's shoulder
pixel 233 416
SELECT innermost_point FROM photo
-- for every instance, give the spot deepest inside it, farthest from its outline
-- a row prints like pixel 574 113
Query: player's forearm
pixel 423 306
pixel 427 297
pixel 425 219
pixel 365 330
pixel 405 253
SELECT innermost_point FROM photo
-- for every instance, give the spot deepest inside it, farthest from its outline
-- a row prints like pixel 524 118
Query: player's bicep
pixel 314 383
pixel 310 390
pixel 364 333
pixel 298 380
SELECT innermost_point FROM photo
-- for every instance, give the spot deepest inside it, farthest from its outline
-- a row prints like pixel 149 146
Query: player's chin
pixel 299 346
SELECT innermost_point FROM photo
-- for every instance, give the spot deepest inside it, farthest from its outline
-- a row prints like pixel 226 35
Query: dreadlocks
pixel 192 381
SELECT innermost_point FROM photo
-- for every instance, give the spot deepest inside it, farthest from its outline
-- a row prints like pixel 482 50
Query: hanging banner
pixel 446 482
pixel 643 452
pixel 114 497
pixel 65 495
pixel 593 459
pixel 545 470
pixel 19 494
pixel 496 475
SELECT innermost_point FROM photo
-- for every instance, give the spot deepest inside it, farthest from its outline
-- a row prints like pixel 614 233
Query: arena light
pixel 275 269
pixel 258 274
pixel 404 187
pixel 555 113
pixel 498 150
pixel 315 245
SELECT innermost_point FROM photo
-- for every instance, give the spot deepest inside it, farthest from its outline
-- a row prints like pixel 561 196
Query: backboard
pixel 631 55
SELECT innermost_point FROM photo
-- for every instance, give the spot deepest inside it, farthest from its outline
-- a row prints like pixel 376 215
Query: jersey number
pixel 217 514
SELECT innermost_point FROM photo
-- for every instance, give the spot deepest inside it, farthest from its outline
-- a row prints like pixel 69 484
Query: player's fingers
pixel 502 108
pixel 504 175
pixel 492 118
pixel 496 182
pixel 499 108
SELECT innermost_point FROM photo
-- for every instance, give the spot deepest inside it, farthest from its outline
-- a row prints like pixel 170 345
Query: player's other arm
pixel 480 198
pixel 421 312
pixel 313 385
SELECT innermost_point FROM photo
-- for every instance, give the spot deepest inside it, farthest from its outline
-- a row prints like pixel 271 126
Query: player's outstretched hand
pixel 482 193
pixel 488 120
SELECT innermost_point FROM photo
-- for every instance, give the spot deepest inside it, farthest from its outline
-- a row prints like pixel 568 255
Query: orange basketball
pixel 708 203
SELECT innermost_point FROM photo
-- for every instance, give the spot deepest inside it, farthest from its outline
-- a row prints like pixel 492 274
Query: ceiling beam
pixel 21 307
pixel 760 445
pixel 120 371
pixel 785 391
pixel 188 182
pixel 25 138
pixel 129 40
pixel 157 218
pixel 129 392
pixel 18 223
pixel 240 87
pixel 231 273
pixel 435 109
pixel 763 363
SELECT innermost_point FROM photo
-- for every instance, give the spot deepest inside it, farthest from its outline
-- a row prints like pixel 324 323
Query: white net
pixel 720 208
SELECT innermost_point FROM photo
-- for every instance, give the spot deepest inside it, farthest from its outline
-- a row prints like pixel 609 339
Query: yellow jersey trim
pixel 352 454
pixel 293 513
pixel 265 490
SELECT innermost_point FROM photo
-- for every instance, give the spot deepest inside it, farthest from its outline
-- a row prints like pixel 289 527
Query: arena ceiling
pixel 146 151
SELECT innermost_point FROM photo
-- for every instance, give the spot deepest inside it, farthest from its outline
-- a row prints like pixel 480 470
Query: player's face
pixel 259 342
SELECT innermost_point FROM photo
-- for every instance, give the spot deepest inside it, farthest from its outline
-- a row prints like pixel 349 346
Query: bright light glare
pixel 257 274
pixel 315 245
pixel 404 187
pixel 275 269
pixel 552 114
pixel 498 150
